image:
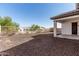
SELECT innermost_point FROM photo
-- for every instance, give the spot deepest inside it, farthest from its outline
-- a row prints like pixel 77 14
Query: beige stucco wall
pixel 67 26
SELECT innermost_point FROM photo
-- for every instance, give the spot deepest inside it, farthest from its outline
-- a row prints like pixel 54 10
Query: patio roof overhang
pixel 66 16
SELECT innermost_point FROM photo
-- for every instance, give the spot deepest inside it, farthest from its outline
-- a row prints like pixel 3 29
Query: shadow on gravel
pixel 45 45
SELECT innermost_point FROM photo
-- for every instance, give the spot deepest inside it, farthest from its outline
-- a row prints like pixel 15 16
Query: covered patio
pixel 66 31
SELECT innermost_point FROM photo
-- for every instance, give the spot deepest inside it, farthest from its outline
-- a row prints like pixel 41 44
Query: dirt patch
pixel 45 45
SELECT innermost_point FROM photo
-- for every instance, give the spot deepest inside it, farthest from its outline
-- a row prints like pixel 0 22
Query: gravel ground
pixel 45 45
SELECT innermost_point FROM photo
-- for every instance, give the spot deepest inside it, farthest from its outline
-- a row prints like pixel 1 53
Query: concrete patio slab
pixel 69 36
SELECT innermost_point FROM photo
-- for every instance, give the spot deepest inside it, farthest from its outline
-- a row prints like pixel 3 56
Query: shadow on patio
pixel 45 45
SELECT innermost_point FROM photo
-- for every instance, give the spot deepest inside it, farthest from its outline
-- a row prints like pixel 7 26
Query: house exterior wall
pixel 67 27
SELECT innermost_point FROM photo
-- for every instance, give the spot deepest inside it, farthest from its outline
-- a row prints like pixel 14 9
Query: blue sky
pixel 34 13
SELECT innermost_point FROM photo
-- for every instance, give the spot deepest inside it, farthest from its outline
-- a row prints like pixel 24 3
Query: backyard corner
pixel 27 30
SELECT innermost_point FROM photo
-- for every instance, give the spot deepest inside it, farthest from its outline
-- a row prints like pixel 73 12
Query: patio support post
pixel 55 28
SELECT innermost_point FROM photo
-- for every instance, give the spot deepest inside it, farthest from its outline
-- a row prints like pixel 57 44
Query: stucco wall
pixel 67 26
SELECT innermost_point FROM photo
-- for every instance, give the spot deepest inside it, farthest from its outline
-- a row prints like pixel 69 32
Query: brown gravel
pixel 45 45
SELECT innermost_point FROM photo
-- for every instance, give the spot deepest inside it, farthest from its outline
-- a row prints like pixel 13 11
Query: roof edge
pixel 66 14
